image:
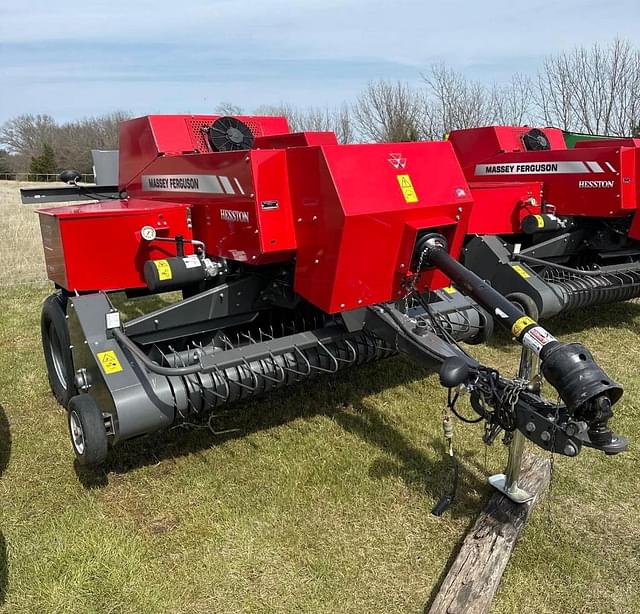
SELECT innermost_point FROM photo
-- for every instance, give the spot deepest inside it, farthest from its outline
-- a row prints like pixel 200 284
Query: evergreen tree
pixel 45 163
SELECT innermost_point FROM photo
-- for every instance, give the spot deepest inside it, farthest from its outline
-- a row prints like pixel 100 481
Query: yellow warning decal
pixel 539 220
pixel 449 290
pixel 109 362
pixel 520 324
pixel 406 186
pixel 164 270
pixel 520 271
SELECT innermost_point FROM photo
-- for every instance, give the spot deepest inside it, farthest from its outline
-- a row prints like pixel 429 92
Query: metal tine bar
pixel 226 341
pixel 225 396
pixel 188 381
pixel 203 393
pixel 227 389
pixel 164 356
pixel 265 335
pixel 189 401
pixel 215 431
pixel 277 369
pixel 304 358
pixel 247 336
pixel 260 374
pixel 331 357
pixel 253 377
pixel 177 356
pixel 353 352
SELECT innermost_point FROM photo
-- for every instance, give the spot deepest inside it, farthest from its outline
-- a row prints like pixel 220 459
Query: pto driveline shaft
pixel 569 367
pixel 523 328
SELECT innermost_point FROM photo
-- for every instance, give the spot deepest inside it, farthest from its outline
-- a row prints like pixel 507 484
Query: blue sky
pixel 72 59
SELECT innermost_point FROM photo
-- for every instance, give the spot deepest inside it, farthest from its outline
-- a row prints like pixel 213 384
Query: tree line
pixel 594 90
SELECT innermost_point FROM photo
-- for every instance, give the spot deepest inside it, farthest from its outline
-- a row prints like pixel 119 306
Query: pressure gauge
pixel 148 233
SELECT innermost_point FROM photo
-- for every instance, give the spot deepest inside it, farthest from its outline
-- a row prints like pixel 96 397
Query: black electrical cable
pixel 451 404
pixel 560 267
pixel 427 307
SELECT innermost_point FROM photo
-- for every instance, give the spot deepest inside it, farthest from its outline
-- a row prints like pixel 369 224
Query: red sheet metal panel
pixel 585 181
pixel 98 246
pixel 499 208
pixel 358 210
pixel 143 139
pixel 240 200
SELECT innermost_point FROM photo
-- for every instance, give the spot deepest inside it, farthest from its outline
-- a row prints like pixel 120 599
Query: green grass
pixel 320 502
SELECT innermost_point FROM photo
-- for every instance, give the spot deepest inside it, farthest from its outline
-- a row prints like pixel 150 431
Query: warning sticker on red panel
pixel 536 338
pixel 406 186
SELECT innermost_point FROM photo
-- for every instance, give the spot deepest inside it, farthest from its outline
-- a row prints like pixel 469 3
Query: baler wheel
pixel 485 331
pixel 56 347
pixel 87 431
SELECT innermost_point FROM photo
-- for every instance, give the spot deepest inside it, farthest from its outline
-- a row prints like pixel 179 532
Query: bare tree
pixel 388 111
pixel 594 90
pixel 512 103
pixel 26 135
pixel 453 101
pixel 283 109
pixel 228 108
pixel 314 118
pixel 343 124
pixel 327 120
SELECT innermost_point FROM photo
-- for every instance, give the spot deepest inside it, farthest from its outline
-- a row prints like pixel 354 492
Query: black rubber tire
pixel 55 345
pixel 525 303
pixel 486 328
pixel 87 432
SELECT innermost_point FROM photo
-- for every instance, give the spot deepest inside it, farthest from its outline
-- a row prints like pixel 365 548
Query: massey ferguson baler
pixel 552 228
pixel 296 257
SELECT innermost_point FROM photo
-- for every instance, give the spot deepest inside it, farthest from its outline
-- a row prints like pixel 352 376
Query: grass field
pixel 319 502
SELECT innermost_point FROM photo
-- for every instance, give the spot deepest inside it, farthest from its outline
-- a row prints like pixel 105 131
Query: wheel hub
pixel 77 434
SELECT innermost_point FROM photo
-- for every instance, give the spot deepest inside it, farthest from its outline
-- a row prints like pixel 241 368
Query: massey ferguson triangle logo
pixel 397 161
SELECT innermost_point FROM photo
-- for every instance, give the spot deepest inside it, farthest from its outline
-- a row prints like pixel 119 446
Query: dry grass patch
pixel 21 257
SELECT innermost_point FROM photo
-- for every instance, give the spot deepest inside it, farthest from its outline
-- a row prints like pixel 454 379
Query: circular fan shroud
pixel 536 140
pixel 229 134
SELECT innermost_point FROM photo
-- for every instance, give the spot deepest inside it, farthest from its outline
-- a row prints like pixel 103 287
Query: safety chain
pixel 411 282
pixel 503 416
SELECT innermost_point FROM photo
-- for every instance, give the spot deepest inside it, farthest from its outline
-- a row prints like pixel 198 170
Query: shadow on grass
pixel 327 396
pixel 5 455
pixel 5 441
pixel 409 462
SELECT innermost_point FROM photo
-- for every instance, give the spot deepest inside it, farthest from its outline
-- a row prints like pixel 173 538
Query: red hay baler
pixel 295 256
pixel 555 228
